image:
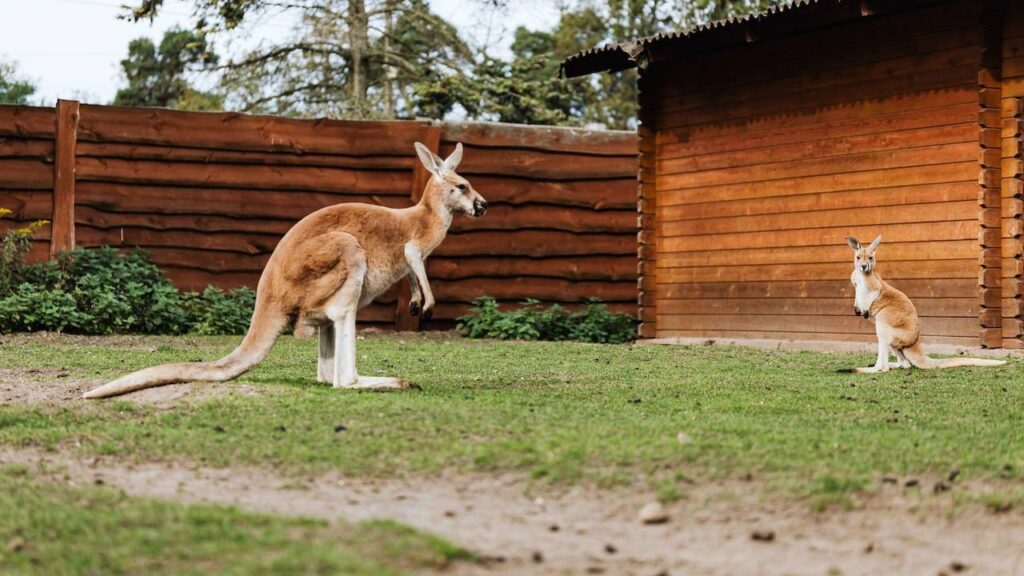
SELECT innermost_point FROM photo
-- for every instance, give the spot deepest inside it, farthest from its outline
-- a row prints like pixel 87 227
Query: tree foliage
pixel 159 76
pixel 14 89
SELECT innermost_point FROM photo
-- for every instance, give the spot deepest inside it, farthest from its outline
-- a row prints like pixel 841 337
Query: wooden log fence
pixel 209 195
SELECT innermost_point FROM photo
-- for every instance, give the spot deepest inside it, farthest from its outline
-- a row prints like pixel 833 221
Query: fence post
pixel 65 139
pixel 431 139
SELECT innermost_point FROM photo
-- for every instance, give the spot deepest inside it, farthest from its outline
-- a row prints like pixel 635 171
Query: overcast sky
pixel 71 48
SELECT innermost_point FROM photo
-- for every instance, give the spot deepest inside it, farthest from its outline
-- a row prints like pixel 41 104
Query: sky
pixel 71 48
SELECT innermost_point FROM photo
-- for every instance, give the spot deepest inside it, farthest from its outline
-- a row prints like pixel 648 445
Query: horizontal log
pixel 26 148
pixel 315 179
pixel 535 244
pixel 234 131
pixel 211 156
pixel 713 334
pixel 930 212
pixel 287 205
pixel 542 165
pixel 223 251
pixel 919 288
pixel 889 252
pixel 707 142
pixel 598 194
pixel 500 217
pixel 869 110
pixel 926 307
pixel 453 311
pixel 938 231
pixel 27 205
pixel 544 289
pixel 957 327
pixel 676 189
pixel 544 138
pixel 838 164
pixel 818 149
pixel 22 174
pixel 804 203
pixel 931 269
pixel 27 121
pixel 615 268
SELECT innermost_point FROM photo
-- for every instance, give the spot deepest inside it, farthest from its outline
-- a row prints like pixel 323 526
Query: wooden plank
pixel 535 244
pixel 930 307
pixel 452 311
pixel 501 217
pixel 26 205
pixel 938 231
pixel 23 174
pixel 839 164
pixel 677 190
pixel 804 203
pixel 597 194
pixel 63 221
pixel 615 268
pixel 544 289
pixel 232 131
pixel 713 334
pixel 930 212
pixel 889 252
pixel 225 252
pixel 27 121
pixel 542 165
pixel 544 138
pixel 213 156
pixel 314 179
pixel 86 215
pixel 287 205
pixel 931 135
pixel 26 148
pixel 959 327
pixel 827 271
pixel 914 288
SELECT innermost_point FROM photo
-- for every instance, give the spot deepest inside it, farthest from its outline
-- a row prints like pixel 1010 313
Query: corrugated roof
pixel 620 56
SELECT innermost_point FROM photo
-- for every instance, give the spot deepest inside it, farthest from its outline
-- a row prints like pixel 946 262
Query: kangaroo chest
pixel 865 296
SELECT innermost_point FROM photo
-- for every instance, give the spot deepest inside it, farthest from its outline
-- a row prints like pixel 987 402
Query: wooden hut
pixel 766 140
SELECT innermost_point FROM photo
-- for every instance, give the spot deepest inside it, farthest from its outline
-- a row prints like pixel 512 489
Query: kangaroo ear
pixel 854 244
pixel 874 245
pixel 430 160
pixel 452 162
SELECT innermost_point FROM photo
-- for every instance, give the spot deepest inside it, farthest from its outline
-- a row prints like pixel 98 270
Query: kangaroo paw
pixel 414 308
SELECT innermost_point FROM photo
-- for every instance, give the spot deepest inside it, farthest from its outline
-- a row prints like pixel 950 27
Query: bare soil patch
pixel 528 529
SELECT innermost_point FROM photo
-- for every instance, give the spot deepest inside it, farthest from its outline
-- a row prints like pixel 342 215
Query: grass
pixel 50 529
pixel 562 412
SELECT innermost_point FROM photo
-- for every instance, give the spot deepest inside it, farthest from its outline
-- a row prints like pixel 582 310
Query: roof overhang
pixel 791 18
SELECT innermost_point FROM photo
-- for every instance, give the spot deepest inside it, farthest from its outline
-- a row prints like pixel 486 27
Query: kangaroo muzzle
pixel 479 208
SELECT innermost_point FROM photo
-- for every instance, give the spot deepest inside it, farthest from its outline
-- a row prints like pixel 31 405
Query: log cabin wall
pixel 1012 169
pixel 209 195
pixel 769 154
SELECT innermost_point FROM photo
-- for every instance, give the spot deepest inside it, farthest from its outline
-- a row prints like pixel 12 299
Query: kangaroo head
pixel 863 256
pixel 453 191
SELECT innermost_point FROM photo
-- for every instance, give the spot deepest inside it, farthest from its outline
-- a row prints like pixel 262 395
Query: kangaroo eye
pixel 461 187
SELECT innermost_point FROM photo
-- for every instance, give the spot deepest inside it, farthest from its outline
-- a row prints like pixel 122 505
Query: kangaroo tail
pixel 263 332
pixel 915 354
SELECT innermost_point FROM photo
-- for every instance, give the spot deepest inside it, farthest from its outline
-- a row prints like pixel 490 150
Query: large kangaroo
pixel 327 267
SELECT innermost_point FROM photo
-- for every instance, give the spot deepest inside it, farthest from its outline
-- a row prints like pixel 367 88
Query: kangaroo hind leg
pixel 325 354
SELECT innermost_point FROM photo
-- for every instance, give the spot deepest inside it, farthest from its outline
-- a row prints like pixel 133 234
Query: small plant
pixel 14 247
pixel 593 323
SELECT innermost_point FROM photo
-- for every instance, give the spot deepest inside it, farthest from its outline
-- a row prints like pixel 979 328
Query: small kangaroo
pixel 328 266
pixel 895 318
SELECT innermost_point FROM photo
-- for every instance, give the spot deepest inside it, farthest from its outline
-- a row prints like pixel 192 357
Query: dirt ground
pixel 524 529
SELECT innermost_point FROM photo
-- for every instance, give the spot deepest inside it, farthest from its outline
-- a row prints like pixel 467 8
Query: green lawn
pixel 49 529
pixel 559 412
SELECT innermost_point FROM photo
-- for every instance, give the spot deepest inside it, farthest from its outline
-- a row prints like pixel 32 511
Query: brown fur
pixel 896 322
pixel 331 263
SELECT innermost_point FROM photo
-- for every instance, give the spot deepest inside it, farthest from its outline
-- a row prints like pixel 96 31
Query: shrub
pixel 593 323
pixel 103 291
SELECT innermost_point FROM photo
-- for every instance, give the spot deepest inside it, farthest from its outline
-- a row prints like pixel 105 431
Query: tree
pixel 14 89
pixel 344 58
pixel 159 76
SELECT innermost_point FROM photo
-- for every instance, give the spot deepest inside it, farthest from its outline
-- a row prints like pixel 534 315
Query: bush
pixel 103 291
pixel 593 323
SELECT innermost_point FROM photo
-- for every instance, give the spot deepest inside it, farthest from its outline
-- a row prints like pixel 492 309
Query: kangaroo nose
pixel 480 208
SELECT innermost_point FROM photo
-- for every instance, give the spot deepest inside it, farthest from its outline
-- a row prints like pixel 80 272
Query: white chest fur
pixel 865 297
